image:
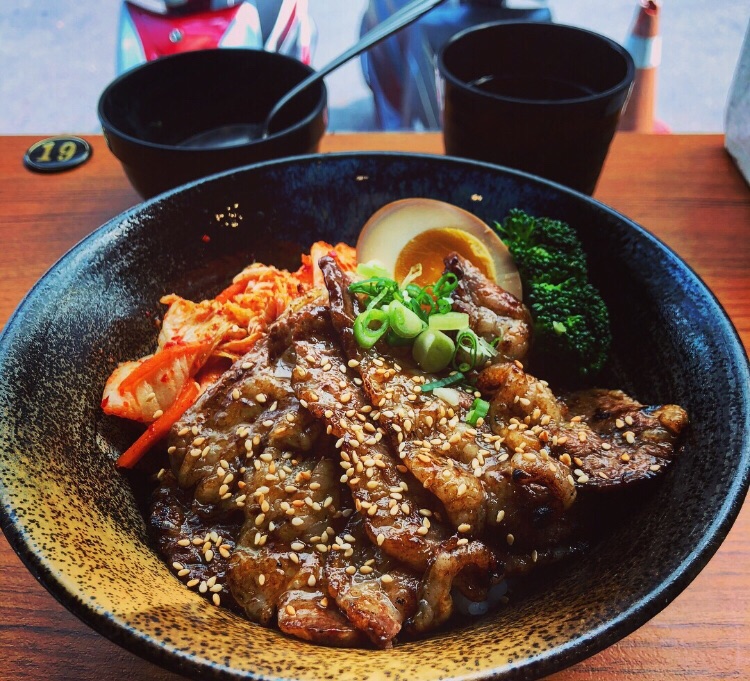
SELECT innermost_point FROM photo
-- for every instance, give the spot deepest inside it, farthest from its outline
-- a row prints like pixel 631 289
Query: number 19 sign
pixel 55 154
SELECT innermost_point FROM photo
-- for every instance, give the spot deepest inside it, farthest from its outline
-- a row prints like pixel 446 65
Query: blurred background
pixel 56 56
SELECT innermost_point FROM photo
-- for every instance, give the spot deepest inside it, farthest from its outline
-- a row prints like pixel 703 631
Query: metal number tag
pixel 55 154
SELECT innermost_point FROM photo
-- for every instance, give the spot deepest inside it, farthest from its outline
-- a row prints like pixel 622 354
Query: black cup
pixel 540 97
pixel 155 117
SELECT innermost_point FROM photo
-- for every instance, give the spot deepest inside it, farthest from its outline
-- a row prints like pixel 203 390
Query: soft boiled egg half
pixel 423 232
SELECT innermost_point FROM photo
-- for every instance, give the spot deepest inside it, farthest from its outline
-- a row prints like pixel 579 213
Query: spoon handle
pixel 405 16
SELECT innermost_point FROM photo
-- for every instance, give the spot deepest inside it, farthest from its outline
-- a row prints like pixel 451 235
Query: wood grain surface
pixel 683 188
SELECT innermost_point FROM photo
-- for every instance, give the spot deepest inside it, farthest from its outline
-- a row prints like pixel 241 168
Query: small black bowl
pixel 150 114
pixel 541 97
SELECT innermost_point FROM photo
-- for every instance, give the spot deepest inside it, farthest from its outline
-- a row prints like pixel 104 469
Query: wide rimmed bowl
pixel 74 519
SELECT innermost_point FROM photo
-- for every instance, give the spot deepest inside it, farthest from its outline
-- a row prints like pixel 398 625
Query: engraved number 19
pixel 64 153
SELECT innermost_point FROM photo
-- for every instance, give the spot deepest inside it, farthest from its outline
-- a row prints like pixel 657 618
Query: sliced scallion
pixel 455 377
pixel 369 327
pixel 478 410
pixel 465 357
pixel 403 321
pixel 445 285
pixel 372 269
pixel 449 321
pixel 433 350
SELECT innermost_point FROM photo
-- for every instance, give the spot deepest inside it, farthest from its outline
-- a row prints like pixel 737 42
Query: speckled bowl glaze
pixel 74 519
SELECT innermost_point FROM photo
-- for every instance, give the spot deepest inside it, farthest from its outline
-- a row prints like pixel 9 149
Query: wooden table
pixel 684 188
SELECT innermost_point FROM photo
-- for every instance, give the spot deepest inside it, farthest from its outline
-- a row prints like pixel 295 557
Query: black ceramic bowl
pixel 541 97
pixel 151 115
pixel 73 517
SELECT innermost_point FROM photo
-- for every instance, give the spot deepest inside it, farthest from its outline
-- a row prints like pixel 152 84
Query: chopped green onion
pixel 372 286
pixel 478 410
pixel 433 350
pixel 465 357
pixel 414 273
pixel 369 327
pixel 445 285
pixel 449 321
pixel 455 377
pixel 378 299
pixel 404 322
pixel 472 351
pixel 372 269
pixel 444 305
pixel 488 349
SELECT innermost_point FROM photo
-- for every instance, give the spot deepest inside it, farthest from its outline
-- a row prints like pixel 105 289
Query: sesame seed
pixel 510 539
pixel 235 394
pixel 350 570
pixel 267 423
pixel 203 587
pixel 386 579
pixel 464 527
pixel 462 542
pixel 290 610
pixel 311 581
pixel 297 521
pixel 461 489
pixel 365 569
pixel 192 583
pixel 261 397
pixel 500 516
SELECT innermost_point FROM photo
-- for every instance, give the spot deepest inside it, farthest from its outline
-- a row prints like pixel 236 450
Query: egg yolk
pixel 430 247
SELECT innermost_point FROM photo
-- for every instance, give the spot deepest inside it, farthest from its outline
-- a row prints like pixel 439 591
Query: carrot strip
pixel 159 428
pixel 159 361
pixel 231 291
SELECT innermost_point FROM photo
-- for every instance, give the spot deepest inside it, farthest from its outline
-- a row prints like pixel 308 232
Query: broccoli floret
pixel 571 324
pixel 571 321
pixel 543 245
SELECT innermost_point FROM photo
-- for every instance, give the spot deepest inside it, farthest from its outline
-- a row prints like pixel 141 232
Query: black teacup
pixel 540 97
